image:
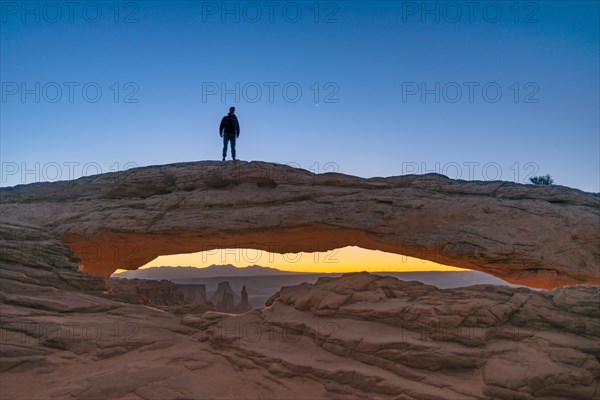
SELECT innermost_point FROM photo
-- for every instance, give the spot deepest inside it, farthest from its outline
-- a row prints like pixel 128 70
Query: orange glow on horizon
pixel 346 259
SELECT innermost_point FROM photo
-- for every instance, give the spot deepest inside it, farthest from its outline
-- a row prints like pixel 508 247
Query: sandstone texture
pixel 360 336
pixel 152 292
pixel 64 335
pixel 540 236
pixel 406 340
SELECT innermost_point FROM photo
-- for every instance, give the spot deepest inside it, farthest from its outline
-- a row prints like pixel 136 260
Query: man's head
pixel 231 110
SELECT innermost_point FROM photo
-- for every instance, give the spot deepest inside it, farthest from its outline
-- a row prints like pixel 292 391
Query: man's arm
pixel 222 126
pixel 237 128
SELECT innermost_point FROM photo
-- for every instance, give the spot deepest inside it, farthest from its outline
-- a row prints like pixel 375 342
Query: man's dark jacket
pixel 230 125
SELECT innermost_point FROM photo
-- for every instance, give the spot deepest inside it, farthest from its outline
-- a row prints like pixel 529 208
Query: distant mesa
pixel 154 292
pixel 181 273
pixel 164 293
pixel 536 235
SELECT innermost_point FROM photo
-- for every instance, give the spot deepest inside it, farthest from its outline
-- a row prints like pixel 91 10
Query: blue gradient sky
pixel 368 53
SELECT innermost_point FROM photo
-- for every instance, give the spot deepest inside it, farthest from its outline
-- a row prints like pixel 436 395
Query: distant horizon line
pixel 281 270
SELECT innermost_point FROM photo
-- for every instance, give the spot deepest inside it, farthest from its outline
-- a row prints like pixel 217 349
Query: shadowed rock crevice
pixel 540 236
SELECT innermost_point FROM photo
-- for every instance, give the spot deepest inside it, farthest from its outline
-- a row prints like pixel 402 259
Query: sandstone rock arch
pixel 541 236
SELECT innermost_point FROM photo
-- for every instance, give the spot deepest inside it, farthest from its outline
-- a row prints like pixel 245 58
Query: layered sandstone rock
pixel 153 292
pixel 33 258
pixel 358 336
pixel 543 236
pixel 225 300
pixel 406 340
pixel 192 293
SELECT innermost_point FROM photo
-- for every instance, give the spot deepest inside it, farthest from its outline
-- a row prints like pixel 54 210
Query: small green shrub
pixel 542 180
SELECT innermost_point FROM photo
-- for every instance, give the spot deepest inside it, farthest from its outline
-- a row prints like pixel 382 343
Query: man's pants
pixel 231 139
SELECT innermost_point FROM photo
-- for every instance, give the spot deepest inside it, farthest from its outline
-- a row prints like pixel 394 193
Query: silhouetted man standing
pixel 229 131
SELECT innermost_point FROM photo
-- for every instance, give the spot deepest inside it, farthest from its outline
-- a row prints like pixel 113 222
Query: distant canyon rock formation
pixel 166 293
pixel 227 301
pixel 540 236
pixel 154 292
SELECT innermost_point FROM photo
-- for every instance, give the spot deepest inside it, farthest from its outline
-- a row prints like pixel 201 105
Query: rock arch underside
pixel 539 236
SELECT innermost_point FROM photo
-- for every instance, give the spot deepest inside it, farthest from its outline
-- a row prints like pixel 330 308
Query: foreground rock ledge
pixel 540 236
